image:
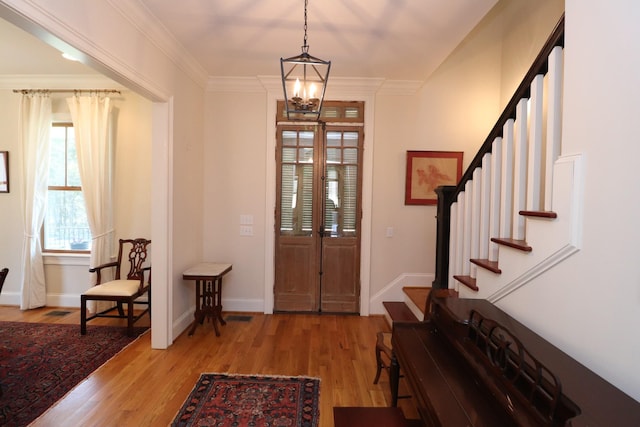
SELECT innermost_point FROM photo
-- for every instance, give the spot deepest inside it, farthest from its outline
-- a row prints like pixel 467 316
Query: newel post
pixel 443 225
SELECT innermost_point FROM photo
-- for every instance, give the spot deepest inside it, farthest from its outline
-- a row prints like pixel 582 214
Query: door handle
pixel 323 233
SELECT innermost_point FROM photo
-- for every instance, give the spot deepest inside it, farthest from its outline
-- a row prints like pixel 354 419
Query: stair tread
pixel 468 281
pixel 399 311
pixel 418 295
pixel 513 243
pixel 540 214
pixel 486 264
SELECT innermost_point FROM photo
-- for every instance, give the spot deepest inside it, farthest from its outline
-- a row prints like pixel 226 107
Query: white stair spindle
pixel 506 180
pixel 494 214
pixel 519 170
pixel 534 171
pixel 554 120
pixel 485 207
pixel 475 219
pixel 453 244
pixel 468 210
pixel 460 235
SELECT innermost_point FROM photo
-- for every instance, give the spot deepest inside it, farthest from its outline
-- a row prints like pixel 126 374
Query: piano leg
pixel 394 379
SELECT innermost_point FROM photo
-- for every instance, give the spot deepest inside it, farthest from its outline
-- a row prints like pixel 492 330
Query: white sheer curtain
pixel 35 115
pixel 90 115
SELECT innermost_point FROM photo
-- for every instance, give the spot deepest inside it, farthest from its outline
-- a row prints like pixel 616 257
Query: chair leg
pixel 379 362
pixel 130 318
pixel 120 310
pixel 83 315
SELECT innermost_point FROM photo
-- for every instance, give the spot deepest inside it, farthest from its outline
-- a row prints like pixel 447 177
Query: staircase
pixel 517 210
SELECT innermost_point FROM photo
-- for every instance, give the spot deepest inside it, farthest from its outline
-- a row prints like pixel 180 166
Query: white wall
pixel 187 205
pixel 234 185
pixel 589 305
pixel 522 43
pixel 409 251
pixel 11 231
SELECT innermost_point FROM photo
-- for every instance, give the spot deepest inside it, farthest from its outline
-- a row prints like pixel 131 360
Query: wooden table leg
pixel 219 301
pixel 211 300
pixel 208 304
pixel 198 315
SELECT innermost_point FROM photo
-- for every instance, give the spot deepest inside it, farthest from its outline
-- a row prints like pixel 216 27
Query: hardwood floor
pixel 145 387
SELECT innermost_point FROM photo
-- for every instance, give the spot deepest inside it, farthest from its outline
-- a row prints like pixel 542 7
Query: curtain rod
pixel 28 91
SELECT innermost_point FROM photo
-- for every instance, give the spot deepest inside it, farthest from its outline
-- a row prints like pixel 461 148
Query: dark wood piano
pixel 471 364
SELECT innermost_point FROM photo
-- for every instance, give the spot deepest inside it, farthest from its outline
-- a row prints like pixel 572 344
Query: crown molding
pixel 141 17
pixel 348 88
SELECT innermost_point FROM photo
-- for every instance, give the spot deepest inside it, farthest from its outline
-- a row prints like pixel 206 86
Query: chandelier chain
pixel 305 47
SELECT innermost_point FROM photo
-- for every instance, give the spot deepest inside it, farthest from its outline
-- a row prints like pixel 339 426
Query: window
pixel 297 182
pixel 65 224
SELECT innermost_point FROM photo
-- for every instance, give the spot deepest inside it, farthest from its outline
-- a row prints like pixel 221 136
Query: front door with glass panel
pixel 318 215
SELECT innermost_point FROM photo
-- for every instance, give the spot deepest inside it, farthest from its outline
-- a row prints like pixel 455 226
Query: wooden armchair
pixel 124 288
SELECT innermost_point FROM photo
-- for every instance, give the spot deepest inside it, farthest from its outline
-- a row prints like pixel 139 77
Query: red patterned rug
pixel 41 362
pixel 251 400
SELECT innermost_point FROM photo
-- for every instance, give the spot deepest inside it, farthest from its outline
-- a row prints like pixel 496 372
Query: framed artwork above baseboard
pixel 426 171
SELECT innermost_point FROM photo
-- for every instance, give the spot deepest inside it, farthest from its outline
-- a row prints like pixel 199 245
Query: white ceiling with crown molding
pixel 389 39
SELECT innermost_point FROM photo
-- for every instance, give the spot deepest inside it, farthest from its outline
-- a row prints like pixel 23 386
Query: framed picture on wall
pixel 426 171
pixel 4 171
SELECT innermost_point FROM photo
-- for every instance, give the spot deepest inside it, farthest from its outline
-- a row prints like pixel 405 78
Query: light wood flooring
pixel 145 387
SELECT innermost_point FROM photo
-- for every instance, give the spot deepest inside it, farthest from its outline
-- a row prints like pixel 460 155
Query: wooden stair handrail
pixel 447 195
pixel 540 66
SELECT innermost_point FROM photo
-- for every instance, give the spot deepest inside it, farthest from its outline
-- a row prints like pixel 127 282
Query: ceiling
pixel 391 39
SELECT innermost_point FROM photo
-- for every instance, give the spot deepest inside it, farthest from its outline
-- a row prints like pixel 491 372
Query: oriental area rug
pixel 251 400
pixel 41 362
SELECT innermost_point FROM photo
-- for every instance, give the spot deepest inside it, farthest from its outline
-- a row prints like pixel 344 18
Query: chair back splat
pixel 137 258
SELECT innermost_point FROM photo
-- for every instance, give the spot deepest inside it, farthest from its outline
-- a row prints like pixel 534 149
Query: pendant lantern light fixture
pixel 304 80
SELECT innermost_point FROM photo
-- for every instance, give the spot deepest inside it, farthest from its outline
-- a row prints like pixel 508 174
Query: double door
pixel 318 213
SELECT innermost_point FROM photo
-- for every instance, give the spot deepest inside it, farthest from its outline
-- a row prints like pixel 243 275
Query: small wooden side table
pixel 208 277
